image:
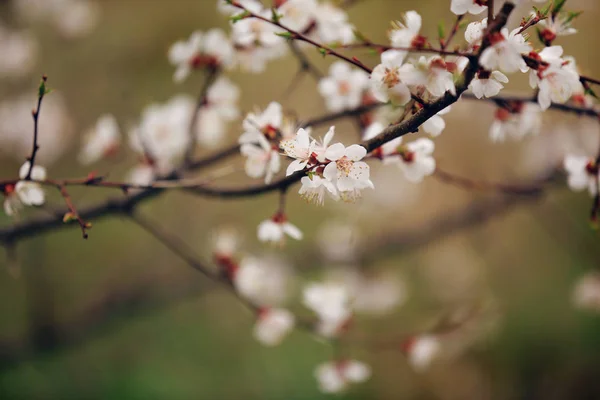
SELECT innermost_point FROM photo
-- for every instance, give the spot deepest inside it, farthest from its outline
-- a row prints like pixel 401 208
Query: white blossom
pixel 488 84
pixel 474 32
pixel 298 14
pixel 225 242
pixel 343 88
pixel 331 303
pixel 101 141
pixel 254 31
pixel 405 35
pixel 264 281
pixel 221 108
pixel 314 188
pixel 525 119
pixel 211 49
pixel 583 173
pixel 386 83
pixel 334 377
pixel 422 351
pixel 332 24
pixel 263 123
pixel 162 134
pixel 460 7
pixel 430 73
pixel 415 160
pixel 275 229
pixel 506 51
pixel 31 193
pixel 586 293
pixel 349 174
pixel 557 81
pixel 554 26
pixel 262 159
pixel 142 174
pixel 300 149
pixel 273 325
pixel 19 52
pixel 435 125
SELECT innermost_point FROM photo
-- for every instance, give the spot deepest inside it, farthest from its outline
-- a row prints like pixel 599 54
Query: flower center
pixel 391 77
pixel 344 88
pixel 344 165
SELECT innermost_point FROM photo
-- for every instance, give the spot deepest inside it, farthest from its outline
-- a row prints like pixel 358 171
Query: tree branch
pixel 42 91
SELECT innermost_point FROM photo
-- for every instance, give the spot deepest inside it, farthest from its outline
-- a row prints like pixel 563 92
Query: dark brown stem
pixel 453 33
pixel 36 118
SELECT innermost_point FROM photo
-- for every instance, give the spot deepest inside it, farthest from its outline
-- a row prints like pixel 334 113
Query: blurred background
pixel 120 316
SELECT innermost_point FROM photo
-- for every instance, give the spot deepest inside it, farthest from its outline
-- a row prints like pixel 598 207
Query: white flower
pixel 163 132
pixel 415 160
pixel 262 160
pixel 142 174
pixel 586 293
pixel 12 202
pixel 386 84
pixel 253 59
pixel 255 32
pixel 275 229
pixel 273 325
pixel 220 109
pixel 297 14
pixel 334 377
pixel 583 173
pixel 557 81
pixel 314 188
pixel 349 174
pixel 211 49
pixel 331 302
pixel 300 148
pixel 19 52
pixel 460 7
pixel 31 193
pixel 344 87
pixel 406 34
pixel 422 350
pixel 332 24
pixel 260 124
pixel 488 84
pixel 77 18
pixel 100 141
pixel 505 53
pixel 430 73
pixel 225 242
pixel 554 26
pixel 474 32
pixel 225 8
pixel 523 119
pixel 435 125
pixel 264 281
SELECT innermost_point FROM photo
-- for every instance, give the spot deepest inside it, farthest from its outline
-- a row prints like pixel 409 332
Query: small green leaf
pixel 441 30
pixel 239 17
pixel 275 17
pixel 286 35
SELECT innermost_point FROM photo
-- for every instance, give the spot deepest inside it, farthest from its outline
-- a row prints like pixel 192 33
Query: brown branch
pixel 73 214
pixel 42 91
pixel 502 100
pixel 453 32
pixel 530 189
pixel 295 35
pixel 490 11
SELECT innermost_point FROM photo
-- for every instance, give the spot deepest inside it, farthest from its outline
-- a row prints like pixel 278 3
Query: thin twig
pixel 42 91
pixel 211 76
pixel 73 214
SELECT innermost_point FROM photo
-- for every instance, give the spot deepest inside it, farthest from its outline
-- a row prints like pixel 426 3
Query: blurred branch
pixel 211 76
